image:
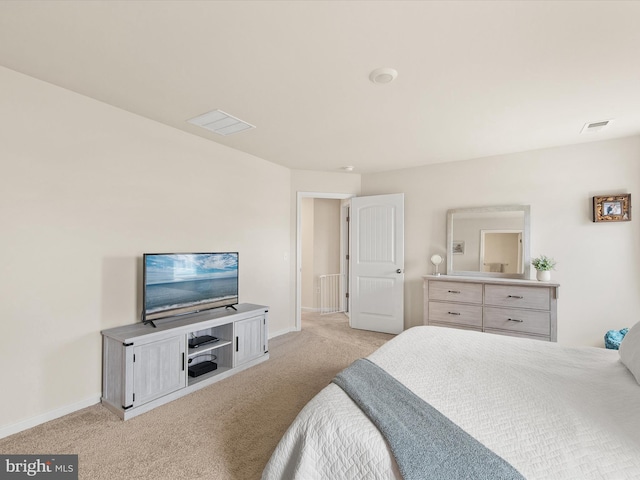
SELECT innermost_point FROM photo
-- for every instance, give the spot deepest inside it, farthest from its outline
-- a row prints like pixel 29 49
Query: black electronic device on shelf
pixel 202 368
pixel 201 340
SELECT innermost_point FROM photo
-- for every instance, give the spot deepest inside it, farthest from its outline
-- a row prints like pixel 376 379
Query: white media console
pixel 145 367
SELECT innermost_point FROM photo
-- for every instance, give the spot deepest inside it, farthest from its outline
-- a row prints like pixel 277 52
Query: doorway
pixel 329 256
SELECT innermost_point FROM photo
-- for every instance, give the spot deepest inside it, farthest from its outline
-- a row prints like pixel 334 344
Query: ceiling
pixel 474 78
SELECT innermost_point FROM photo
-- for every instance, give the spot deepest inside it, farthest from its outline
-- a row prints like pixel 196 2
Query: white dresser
pixel 520 308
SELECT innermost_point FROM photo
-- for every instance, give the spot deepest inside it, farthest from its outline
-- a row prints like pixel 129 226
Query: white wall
pixel 85 189
pixel 324 182
pixel 597 263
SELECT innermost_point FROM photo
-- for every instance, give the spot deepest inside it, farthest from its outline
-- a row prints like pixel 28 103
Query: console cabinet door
pixel 158 369
pixel 249 339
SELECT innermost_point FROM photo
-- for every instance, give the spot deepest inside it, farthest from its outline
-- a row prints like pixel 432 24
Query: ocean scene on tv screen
pixel 179 281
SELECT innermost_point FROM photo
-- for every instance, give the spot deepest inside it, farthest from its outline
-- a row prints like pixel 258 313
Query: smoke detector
pixel 221 123
pixel 383 76
pixel 595 126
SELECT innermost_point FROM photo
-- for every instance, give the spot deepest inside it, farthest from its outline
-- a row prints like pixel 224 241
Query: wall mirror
pixel 489 241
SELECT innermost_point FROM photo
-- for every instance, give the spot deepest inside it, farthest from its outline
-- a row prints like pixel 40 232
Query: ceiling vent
pixel 221 123
pixel 595 126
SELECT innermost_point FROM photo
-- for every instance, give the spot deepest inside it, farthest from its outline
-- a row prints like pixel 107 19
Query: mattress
pixel 552 412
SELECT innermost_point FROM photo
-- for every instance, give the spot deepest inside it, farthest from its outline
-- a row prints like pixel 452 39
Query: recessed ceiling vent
pixel 221 123
pixel 595 126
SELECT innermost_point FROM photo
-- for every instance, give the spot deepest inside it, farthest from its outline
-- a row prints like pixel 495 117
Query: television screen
pixel 179 283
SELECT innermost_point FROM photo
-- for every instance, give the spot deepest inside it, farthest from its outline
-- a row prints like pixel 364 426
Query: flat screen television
pixel 181 283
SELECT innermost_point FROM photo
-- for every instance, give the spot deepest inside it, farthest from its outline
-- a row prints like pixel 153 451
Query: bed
pixel 551 412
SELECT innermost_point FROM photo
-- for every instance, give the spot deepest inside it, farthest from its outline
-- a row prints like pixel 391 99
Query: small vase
pixel 543 275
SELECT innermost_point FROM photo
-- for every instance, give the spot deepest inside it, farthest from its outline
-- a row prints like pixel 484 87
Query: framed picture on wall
pixel 612 208
pixel 458 248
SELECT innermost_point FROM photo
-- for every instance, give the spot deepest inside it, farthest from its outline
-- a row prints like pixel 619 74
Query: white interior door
pixel 377 263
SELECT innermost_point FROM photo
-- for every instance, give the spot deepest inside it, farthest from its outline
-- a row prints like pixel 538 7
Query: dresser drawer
pixel 455 313
pixel 511 333
pixel 514 320
pixel 455 292
pixel 519 297
pixel 459 327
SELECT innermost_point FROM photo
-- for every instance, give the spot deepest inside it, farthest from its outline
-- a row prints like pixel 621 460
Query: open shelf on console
pixel 208 347
pixel 206 376
pixel 220 352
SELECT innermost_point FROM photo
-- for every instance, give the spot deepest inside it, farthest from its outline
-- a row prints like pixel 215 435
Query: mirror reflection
pixel 489 241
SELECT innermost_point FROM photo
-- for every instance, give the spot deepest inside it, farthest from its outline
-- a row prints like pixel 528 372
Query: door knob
pixel 398 271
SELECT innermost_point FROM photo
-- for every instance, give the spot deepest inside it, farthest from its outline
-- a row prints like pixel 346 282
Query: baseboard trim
pixel 282 332
pixel 46 417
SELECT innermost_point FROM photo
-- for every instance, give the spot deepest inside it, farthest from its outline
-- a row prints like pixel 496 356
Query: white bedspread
pixel 552 412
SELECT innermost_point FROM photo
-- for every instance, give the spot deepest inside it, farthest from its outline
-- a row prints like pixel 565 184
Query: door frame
pixel 343 233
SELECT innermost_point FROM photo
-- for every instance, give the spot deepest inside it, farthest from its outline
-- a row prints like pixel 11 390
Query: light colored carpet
pixel 225 431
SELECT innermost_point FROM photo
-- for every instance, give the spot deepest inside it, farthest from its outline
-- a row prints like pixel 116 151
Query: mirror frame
pixel 526 209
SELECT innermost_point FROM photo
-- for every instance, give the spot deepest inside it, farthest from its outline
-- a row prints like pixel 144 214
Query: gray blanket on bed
pixel 424 443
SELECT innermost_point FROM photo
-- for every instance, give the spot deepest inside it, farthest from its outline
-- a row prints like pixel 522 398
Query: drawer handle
pixel 515 296
pixel 454 291
pixel 514 320
pixel 453 313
